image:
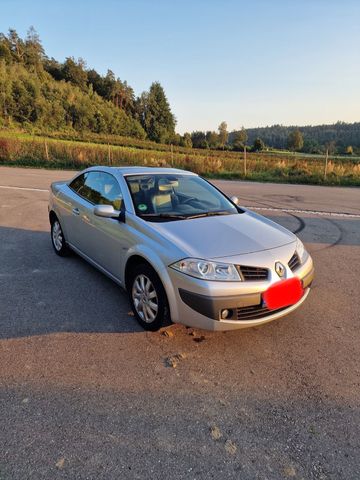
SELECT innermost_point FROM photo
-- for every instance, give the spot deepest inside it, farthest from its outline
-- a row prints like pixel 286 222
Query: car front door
pixel 76 208
pixel 101 239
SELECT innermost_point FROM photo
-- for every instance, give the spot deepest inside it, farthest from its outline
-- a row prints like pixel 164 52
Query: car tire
pixel 58 238
pixel 148 297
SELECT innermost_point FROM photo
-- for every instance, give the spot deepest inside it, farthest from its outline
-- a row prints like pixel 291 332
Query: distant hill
pixel 38 93
pixel 315 137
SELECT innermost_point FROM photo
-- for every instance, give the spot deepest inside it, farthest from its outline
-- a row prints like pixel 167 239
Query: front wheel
pixel 148 298
pixel 58 239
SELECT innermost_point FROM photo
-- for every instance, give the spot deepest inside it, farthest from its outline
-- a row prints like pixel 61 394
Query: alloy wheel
pixel 145 298
pixel 57 236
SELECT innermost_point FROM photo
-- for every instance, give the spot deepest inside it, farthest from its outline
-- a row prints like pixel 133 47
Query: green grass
pixel 23 149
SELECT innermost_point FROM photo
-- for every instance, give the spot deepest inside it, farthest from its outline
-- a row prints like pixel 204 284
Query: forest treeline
pixel 340 137
pixel 46 95
pixel 43 95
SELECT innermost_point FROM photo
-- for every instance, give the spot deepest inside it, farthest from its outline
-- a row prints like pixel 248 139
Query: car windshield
pixel 165 197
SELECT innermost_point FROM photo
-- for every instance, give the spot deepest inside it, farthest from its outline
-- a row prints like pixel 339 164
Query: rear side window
pixel 78 183
pixel 99 188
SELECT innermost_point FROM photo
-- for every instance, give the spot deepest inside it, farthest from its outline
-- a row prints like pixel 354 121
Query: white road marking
pixel 25 188
pixel 312 212
pixel 250 207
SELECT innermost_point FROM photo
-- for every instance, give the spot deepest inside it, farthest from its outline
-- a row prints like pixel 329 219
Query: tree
pixel 34 52
pixel 109 81
pixel 127 97
pixel 16 45
pixel 258 145
pixel 53 67
pixel 31 100
pixel 175 139
pixel 97 82
pixel 5 50
pixel 311 146
pixel 212 139
pixel 186 140
pixel 34 95
pixel 75 72
pixel 154 113
pixel 315 137
pixel 295 140
pixel 223 134
pixel 239 139
pixel 199 140
pixel 116 93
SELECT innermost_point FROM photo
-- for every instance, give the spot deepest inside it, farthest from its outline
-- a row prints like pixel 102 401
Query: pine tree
pixel 34 53
pixel 155 114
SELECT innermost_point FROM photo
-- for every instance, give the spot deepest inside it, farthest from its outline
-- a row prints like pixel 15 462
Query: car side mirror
pixel 235 200
pixel 106 211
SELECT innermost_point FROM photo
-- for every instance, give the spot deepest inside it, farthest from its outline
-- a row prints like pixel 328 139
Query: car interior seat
pixel 162 200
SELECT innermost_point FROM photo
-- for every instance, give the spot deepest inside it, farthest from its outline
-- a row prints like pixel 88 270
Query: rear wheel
pixel 58 238
pixel 147 297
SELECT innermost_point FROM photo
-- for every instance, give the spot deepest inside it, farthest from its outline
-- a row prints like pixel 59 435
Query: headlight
pixel 195 267
pixel 300 249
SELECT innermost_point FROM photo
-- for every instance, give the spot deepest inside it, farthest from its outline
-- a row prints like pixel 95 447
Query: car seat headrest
pixel 166 185
pixel 145 184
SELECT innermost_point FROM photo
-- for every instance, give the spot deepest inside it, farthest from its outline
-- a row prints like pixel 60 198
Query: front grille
pixel 253 273
pixel 294 262
pixel 255 311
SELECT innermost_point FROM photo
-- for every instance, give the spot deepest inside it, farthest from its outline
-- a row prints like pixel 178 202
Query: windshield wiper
pixel 209 214
pixel 163 215
pixel 173 216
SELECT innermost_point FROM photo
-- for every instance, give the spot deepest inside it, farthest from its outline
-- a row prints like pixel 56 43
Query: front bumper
pixel 199 304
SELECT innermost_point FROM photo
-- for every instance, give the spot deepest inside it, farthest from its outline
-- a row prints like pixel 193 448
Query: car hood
pixel 225 235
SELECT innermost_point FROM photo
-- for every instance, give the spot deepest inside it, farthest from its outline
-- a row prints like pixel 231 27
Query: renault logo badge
pixel 280 269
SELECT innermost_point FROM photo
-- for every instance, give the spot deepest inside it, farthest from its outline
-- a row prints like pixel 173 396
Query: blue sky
pixel 250 63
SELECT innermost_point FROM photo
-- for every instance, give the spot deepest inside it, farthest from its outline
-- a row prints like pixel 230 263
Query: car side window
pixel 101 188
pixel 111 192
pixel 78 183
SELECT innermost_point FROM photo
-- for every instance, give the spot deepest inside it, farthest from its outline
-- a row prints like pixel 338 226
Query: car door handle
pixel 76 211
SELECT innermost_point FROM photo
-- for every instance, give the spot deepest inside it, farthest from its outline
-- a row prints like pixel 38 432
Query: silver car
pixel 182 249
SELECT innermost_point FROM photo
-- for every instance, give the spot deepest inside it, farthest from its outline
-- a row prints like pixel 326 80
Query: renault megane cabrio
pixel 181 248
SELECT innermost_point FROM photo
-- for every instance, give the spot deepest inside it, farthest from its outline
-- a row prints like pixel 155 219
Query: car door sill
pixel 96 265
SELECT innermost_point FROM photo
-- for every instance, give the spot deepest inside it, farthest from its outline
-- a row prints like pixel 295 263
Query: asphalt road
pixel 86 394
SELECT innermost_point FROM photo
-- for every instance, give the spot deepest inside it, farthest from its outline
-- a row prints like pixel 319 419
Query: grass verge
pixel 43 152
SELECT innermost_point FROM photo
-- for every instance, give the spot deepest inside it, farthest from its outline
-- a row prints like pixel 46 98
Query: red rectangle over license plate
pixel 283 294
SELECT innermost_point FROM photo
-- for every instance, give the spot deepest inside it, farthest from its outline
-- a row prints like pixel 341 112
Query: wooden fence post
pixel 245 169
pixel 326 163
pixel 109 154
pixel 172 154
pixel 46 151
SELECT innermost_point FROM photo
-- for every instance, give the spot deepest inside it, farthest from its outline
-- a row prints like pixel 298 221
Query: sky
pixel 249 63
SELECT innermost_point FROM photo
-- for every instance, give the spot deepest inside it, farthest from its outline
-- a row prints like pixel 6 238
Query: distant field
pixel 55 152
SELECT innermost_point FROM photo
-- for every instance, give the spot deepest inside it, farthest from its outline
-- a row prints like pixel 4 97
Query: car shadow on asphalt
pixel 41 293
